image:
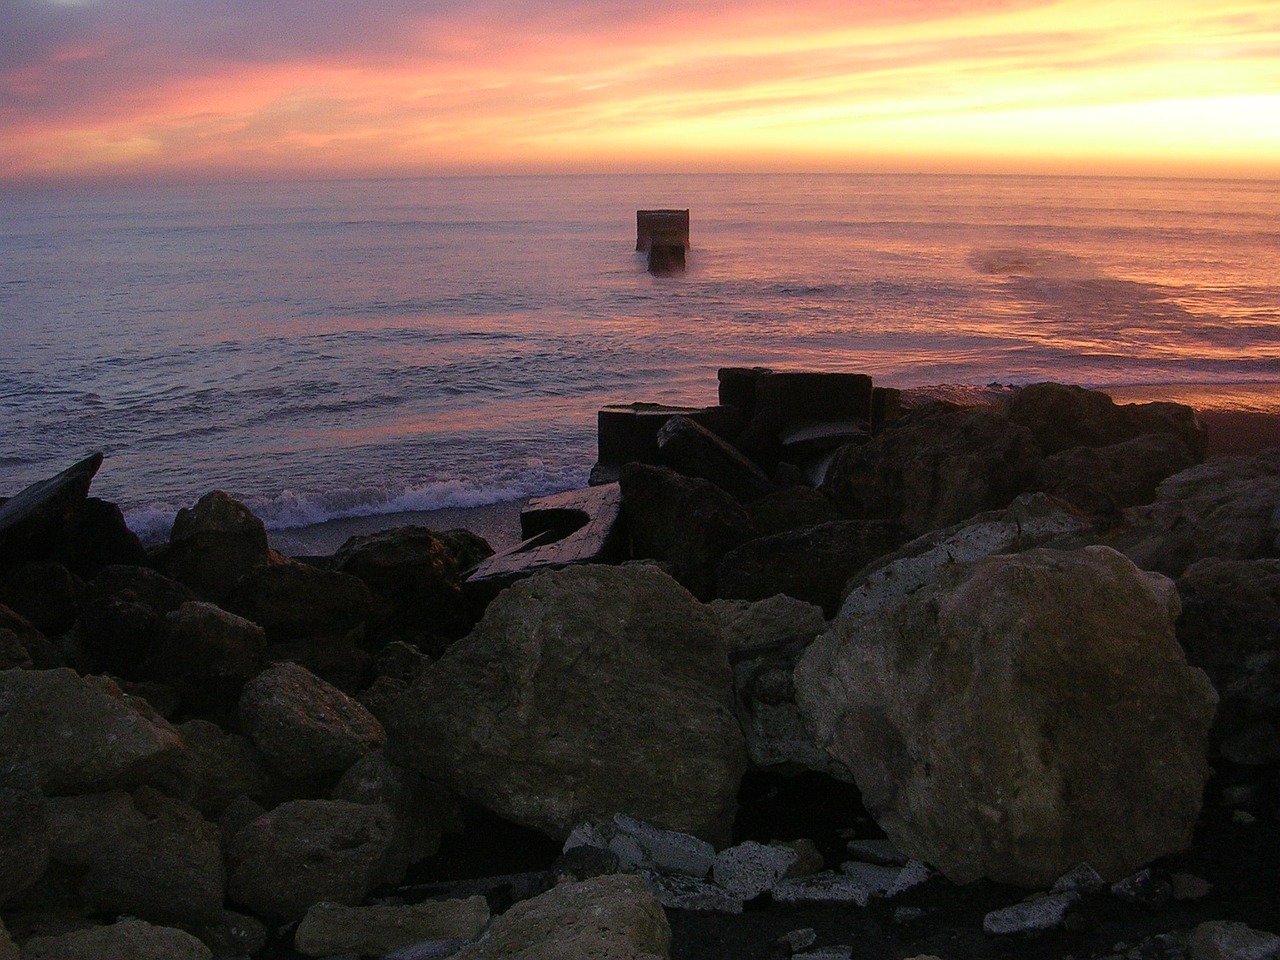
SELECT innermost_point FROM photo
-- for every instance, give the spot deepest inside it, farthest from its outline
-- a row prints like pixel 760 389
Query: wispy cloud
pixel 132 87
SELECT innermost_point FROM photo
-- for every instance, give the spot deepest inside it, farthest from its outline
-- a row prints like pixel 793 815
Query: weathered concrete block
pixel 665 225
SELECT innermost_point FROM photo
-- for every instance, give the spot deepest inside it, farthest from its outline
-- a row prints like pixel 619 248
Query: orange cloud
pixel 147 87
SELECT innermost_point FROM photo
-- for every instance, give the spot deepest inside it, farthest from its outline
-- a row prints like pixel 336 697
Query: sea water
pixel 329 349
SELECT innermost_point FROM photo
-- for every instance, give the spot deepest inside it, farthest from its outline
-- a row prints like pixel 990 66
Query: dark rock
pixel 811 564
pixel 127 939
pixel 1023 714
pixel 1230 628
pixel 117 633
pixel 215 768
pixel 695 451
pixel 415 583
pixel 93 536
pixel 690 522
pixel 789 509
pixel 163 594
pixel 1102 480
pixel 629 433
pixel 934 468
pixel 207 653
pixel 304 726
pixel 296 601
pixel 214 544
pixel 468 549
pixel 44 592
pixel 1061 417
pixel 306 851
pixel 578 526
pixel 583 692
pixel 32 517
pixel 18 640
pixel 24 848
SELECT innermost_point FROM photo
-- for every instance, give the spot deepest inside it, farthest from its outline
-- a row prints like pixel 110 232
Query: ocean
pixel 339 349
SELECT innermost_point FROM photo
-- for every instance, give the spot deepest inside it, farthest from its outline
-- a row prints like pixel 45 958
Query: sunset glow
pixel 138 89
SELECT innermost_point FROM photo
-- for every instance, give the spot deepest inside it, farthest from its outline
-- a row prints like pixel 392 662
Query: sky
pixel 232 89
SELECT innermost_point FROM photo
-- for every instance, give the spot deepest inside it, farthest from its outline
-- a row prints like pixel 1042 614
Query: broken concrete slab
pixel 690 448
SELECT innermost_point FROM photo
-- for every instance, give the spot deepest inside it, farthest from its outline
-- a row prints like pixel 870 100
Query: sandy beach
pixel 1242 419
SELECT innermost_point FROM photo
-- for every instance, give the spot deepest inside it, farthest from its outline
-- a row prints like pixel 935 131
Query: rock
pixel 790 509
pixel 1222 940
pixel 622 922
pixel 1061 416
pixel 1228 508
pixel 233 935
pixel 415 583
pixel 207 653
pixel 144 585
pixel 583 692
pixel 1023 714
pixel 1144 889
pixel 1033 916
pixel 214 769
pixel 934 468
pixel 824 888
pixel 331 928
pixel 642 845
pixel 583 862
pixel 695 451
pixel 811 564
pixel 1187 886
pixel 31 517
pixel 690 522
pixel 125 940
pixel 1081 878
pixel 878 851
pixel 24 849
pixel 296 601
pixel 8 949
pixel 1230 628
pixel 306 851
pixel 214 544
pixel 44 592
pixel 1032 520
pixel 18 638
pixel 468 549
pixel 149 855
pixel 94 536
pixel 304 726
pixel 80 733
pixel 750 869
pixel 1102 480
pixel 682 892
pixel 773 623
pixel 421 808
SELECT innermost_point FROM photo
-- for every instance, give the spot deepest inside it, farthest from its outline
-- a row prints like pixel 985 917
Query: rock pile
pixel 962 640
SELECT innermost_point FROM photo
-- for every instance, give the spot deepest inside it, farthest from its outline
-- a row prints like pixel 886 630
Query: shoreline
pixel 1242 419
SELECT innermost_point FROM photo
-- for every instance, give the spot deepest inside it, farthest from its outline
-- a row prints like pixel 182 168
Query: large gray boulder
pixel 304 726
pixel 214 544
pixel 583 692
pixel 1018 716
pixel 1104 480
pixel 81 734
pixel 127 939
pixel 206 653
pixel 613 917
pixel 1228 507
pixel 306 851
pixel 24 847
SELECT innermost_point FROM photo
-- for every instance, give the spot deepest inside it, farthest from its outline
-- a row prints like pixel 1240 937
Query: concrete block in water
pixel 665 225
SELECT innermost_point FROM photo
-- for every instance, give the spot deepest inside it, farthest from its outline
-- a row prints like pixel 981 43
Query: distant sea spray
pixel 322 350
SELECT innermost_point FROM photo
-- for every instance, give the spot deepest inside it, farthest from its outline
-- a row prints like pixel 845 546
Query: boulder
pixel 933 468
pixel 1228 507
pixel 811 564
pixel 93 536
pixel 611 917
pixel 18 640
pixel 215 768
pixel 31 518
pixel 214 544
pixel 329 929
pixel 582 693
pixel 127 939
pixel 24 848
pixel 307 851
pixel 117 633
pixel 773 623
pixel 1230 628
pixel 789 509
pixel 1061 417
pixel 1224 940
pixel 687 521
pixel 1102 480
pixel 1020 715
pixel 304 726
pixel 415 583
pixel 44 592
pixel 296 601
pixel 207 653
pixel 691 449
pixel 149 587
pixel 146 855
pixel 81 733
